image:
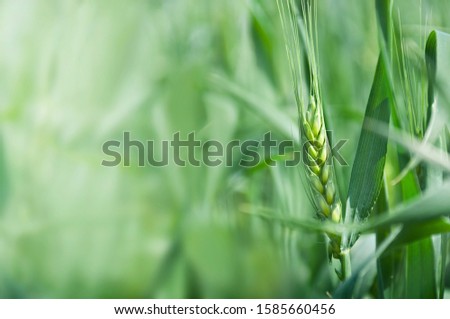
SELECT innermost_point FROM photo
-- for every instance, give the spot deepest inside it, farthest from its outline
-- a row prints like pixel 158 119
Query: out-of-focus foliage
pixel 75 74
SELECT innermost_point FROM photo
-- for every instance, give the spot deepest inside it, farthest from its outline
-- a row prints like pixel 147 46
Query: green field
pixel 77 75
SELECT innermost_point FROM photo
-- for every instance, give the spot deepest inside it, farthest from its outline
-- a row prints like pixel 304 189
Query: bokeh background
pixel 74 74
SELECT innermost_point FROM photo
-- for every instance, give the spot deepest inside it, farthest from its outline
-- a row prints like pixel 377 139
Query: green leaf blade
pixel 420 271
pixel 367 172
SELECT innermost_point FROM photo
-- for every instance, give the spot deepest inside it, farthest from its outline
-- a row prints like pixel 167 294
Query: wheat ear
pixel 319 169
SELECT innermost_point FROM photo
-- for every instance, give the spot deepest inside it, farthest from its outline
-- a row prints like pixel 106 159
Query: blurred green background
pixel 74 74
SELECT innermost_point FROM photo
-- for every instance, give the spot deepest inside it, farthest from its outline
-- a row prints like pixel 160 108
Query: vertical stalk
pixel 346 266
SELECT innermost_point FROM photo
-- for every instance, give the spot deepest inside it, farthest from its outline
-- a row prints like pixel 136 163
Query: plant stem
pixel 346 266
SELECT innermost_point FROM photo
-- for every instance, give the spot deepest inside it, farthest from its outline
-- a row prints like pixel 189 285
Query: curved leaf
pixel 433 204
pixel 367 172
